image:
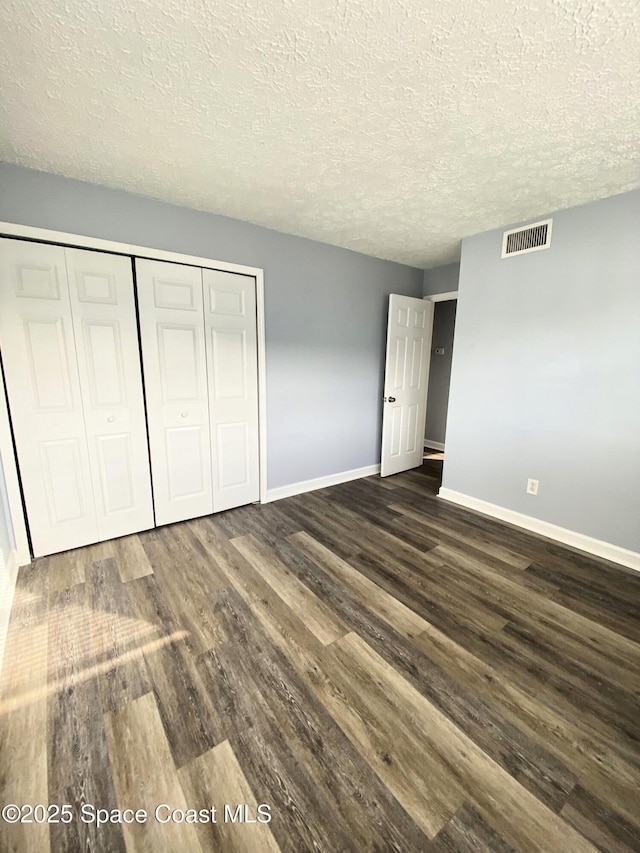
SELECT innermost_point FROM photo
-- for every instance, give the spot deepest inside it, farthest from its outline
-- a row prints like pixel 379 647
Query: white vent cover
pixel 531 238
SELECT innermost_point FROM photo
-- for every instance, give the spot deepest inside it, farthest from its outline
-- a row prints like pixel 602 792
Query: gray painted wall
pixel 444 319
pixel 546 374
pixel 440 280
pixel 325 311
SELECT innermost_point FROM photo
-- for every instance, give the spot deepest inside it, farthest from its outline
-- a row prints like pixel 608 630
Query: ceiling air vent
pixel 531 238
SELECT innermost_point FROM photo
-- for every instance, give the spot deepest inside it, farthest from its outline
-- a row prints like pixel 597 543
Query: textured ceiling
pixel 393 127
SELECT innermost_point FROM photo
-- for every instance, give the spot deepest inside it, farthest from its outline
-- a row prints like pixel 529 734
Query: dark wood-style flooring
pixel 384 671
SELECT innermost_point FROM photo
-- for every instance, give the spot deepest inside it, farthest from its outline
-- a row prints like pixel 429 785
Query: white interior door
pixel 175 374
pixel 405 383
pixel 106 336
pixel 39 359
pixel 232 366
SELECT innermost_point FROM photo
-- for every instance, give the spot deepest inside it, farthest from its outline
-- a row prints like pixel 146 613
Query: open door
pixel 405 383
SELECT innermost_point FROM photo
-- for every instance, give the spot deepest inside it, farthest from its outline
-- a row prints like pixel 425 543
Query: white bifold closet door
pixel 232 369
pixel 106 335
pixel 198 330
pixel 69 348
pixel 175 376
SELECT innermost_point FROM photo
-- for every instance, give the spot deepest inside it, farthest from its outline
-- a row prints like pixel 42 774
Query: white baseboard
pixel 434 445
pixel 320 483
pixel 6 599
pixel 606 550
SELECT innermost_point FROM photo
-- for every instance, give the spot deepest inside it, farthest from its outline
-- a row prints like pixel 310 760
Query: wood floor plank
pixel 190 720
pixel 387 671
pixel 301 804
pixel 145 777
pixel 265 521
pixel 549 637
pixel 320 620
pixel 354 797
pixel 216 777
pixel 24 709
pixel 393 744
pixel 478 542
pixel 588 574
pixel 118 635
pixel 285 629
pixel 422 592
pixel 504 803
pixel 591 572
pixel 68 568
pixel 586 753
pixel 311 513
pixel 521 665
pixel 600 824
pixel 533 766
pixel 467 832
pixel 397 614
pixel 514 749
pixel 64 570
pixel 284 626
pixel 189 592
pixel 559 644
pixel 131 558
pixel 79 769
pixel 592 633
pixel 618 708
pixel 368 537
pixel 601 604
pixel 357 499
pixel 303 818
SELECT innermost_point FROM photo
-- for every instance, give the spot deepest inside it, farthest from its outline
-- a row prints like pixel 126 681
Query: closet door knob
pixel 111 418
pixel 183 414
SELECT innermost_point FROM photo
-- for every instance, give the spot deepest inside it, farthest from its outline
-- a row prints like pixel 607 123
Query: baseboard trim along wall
pixel 606 550
pixel 433 445
pixel 6 599
pixel 320 483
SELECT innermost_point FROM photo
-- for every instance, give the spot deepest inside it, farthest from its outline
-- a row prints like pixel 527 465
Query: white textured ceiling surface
pixel 393 127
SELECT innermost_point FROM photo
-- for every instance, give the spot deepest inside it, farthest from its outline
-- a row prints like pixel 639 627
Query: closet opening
pixel 135 381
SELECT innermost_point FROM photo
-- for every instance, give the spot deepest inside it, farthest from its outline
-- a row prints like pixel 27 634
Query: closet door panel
pixel 175 372
pixel 39 360
pixel 104 317
pixel 230 321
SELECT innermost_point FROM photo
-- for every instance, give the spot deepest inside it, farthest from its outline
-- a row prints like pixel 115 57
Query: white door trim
pixel 449 296
pixel 79 241
pixel 442 297
pixel 14 498
pixel 8 229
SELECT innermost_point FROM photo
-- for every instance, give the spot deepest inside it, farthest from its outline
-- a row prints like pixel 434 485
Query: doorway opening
pixel 444 319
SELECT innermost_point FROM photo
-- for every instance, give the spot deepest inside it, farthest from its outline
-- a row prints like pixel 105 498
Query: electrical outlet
pixel 532 487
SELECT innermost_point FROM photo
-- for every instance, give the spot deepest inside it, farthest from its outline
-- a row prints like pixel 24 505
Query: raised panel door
pixel 106 334
pixel 405 386
pixel 39 360
pixel 230 322
pixel 175 372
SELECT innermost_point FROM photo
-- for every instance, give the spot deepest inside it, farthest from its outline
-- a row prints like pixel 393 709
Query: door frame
pixel 79 241
pixel 449 296
pixel 20 554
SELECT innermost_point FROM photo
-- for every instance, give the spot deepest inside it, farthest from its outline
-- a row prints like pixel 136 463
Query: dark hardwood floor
pixel 382 670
